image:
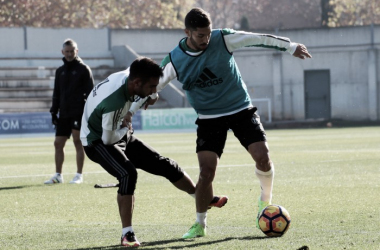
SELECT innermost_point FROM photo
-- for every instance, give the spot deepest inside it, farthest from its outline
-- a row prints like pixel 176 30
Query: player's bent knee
pixel 127 183
pixel 206 175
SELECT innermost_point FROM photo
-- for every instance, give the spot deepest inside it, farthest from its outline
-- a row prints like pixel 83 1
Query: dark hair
pixel 70 42
pixel 144 68
pixel 197 18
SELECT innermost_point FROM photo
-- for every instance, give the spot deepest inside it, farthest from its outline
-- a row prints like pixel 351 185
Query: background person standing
pixel 73 83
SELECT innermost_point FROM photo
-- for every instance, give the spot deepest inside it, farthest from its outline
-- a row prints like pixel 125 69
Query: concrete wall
pixel 12 42
pixel 33 47
pixel 47 42
pixel 151 43
pixel 351 54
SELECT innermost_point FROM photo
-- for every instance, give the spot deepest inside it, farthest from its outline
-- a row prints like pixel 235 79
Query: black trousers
pixel 123 158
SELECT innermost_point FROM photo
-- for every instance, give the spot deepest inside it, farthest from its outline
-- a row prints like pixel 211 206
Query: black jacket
pixel 73 82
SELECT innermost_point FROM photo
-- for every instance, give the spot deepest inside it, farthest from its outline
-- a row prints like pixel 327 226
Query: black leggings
pixel 123 158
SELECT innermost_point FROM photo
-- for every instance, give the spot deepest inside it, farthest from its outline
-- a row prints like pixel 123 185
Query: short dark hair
pixel 70 42
pixel 197 18
pixel 144 68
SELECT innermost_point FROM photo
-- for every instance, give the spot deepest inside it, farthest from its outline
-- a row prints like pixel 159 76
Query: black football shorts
pixel 65 125
pixel 212 133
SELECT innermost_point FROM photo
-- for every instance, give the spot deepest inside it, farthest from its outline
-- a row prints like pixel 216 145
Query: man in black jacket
pixel 73 83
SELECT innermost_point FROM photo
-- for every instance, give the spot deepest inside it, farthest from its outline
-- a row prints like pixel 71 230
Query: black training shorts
pixel 65 125
pixel 123 158
pixel 212 133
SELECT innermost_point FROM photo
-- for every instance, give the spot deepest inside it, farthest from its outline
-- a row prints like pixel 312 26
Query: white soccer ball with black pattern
pixel 274 221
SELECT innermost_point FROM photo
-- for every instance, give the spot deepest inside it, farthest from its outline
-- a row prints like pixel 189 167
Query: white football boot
pixel 78 179
pixel 55 179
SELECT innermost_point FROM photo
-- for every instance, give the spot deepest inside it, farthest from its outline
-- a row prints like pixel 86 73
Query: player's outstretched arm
pixel 301 52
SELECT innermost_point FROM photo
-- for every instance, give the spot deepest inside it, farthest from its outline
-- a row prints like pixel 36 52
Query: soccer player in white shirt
pixel 108 139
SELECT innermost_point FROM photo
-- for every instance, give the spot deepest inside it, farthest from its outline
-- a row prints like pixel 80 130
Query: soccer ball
pixel 274 221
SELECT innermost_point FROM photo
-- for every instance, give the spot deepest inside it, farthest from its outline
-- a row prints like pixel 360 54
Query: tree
pixel 326 10
pixel 169 14
pixel 354 12
pixel 288 14
pixel 93 13
pixel 223 12
pixel 244 24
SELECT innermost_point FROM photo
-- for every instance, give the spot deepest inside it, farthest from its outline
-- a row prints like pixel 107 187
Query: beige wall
pixel 347 52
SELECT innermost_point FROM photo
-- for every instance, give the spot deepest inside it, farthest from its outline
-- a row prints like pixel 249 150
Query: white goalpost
pixel 264 107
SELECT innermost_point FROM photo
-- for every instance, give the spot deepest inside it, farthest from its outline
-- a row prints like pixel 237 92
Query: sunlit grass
pixel 328 179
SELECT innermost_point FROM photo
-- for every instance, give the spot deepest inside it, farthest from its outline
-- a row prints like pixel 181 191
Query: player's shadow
pixel 11 188
pixel 157 245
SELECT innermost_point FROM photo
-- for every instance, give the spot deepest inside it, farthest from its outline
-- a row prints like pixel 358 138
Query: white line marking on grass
pixel 41 175
pixel 334 161
pixel 222 166
pixel 104 172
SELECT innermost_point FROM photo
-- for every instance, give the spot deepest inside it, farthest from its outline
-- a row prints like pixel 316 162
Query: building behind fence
pixel 340 82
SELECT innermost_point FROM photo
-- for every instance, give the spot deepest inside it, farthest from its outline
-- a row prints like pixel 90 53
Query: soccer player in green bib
pixel 203 62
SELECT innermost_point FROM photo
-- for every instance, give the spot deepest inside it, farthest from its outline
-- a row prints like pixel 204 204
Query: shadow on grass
pixel 195 244
pixel 155 244
pixel 11 188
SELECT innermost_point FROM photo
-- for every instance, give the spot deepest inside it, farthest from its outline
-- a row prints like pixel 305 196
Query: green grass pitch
pixel 328 179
